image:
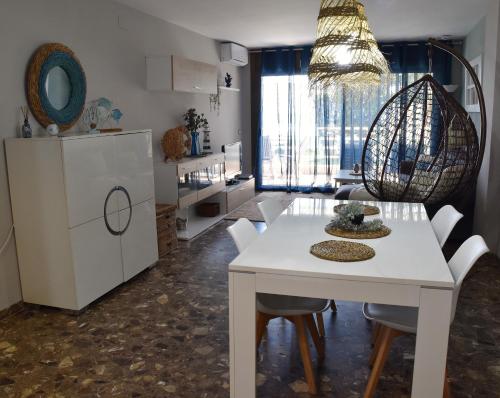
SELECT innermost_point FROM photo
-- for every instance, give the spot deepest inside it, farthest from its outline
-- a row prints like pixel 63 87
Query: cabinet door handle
pixel 111 230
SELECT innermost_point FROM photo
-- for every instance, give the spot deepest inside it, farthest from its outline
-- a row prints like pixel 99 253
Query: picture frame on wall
pixel 471 98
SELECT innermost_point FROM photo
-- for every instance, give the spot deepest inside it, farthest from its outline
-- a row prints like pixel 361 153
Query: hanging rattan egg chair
pixel 422 146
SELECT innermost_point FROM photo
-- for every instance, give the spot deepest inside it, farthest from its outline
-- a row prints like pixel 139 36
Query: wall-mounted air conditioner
pixel 234 54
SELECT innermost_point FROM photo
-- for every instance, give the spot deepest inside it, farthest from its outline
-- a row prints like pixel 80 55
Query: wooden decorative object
pixel 175 143
pixel 43 60
pixel 422 146
pixel 166 228
pixel 342 251
pixel 368 210
pixel 341 233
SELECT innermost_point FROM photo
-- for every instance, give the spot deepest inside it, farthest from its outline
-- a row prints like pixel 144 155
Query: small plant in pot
pixel 351 217
pixel 193 122
pixel 355 213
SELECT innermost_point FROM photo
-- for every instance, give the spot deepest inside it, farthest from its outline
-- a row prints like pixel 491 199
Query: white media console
pixel 191 181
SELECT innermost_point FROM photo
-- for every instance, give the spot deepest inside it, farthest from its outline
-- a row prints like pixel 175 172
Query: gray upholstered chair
pixel 298 310
pixel 393 321
pixel 444 221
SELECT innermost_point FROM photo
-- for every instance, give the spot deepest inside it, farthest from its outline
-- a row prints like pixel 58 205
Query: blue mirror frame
pixel 44 59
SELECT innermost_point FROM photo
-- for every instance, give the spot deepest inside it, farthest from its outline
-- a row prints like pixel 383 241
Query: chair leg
pixel 388 335
pixel 447 389
pixel 321 324
pixel 305 353
pixel 318 342
pixel 262 321
pixel 376 344
pixel 333 306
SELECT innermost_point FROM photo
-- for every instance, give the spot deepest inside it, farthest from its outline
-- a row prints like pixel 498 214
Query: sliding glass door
pixel 307 136
pixel 300 141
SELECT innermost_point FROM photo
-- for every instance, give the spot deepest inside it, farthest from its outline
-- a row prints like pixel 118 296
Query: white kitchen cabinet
pixel 71 198
pixel 193 77
pixel 180 74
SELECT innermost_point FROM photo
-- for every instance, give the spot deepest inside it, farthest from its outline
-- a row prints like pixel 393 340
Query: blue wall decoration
pixel 47 57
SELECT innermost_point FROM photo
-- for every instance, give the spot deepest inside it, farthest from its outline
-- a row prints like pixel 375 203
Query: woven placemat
pixel 342 251
pixel 343 233
pixel 367 209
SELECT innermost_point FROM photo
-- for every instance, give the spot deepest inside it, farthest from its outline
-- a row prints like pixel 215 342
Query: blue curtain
pixel 299 155
pixel 413 57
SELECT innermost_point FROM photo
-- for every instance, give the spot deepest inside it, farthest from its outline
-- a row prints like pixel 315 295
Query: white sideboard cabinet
pixel 84 214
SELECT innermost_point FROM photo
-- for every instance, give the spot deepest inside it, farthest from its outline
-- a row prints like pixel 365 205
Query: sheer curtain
pixel 300 138
pixel 306 136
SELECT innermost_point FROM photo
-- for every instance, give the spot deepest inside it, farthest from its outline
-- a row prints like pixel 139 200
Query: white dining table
pixel 408 269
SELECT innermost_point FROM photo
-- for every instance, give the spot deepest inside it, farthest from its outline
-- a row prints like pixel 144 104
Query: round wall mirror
pixel 56 86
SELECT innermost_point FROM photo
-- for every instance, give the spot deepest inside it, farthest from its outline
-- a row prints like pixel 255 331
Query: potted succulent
pixel 193 122
pixel 354 212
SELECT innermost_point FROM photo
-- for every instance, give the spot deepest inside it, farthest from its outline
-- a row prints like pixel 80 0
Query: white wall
pixel 484 38
pixel 472 48
pixel 111 42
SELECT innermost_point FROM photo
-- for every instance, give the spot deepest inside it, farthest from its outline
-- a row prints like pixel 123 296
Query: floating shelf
pixel 224 88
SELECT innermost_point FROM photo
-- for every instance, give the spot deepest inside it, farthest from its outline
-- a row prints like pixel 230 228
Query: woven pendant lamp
pixel 345 52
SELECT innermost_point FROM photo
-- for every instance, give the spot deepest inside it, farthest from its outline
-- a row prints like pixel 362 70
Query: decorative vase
pixel 195 143
pixel 199 147
pixel 26 129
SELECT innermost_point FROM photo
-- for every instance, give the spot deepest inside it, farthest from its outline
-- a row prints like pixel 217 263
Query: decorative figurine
pixel 52 130
pixel 228 80
pixel 93 129
pixel 26 128
pixel 116 115
pixel 175 142
pixel 215 102
pixel 207 149
pixel 98 115
pixel 356 168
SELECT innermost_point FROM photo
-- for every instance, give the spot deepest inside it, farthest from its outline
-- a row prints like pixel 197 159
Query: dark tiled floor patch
pixel 164 334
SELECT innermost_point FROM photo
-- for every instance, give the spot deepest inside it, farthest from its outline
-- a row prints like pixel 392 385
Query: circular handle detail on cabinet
pixel 111 230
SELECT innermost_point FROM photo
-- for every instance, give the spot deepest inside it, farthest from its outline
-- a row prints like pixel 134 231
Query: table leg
pixel 242 349
pixel 432 343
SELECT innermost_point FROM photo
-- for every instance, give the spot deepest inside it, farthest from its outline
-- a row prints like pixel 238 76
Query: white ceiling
pixel 265 23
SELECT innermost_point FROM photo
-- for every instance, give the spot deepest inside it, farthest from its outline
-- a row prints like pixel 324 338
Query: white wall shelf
pixel 224 88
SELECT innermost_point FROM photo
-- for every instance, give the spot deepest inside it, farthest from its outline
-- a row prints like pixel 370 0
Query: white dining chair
pixel 270 210
pixel 298 310
pixel 393 321
pixel 444 221
pixel 442 224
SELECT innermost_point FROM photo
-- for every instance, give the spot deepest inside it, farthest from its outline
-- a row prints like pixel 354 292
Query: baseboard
pixel 13 309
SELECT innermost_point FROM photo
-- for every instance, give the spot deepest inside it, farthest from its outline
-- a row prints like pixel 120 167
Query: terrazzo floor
pixel 165 334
